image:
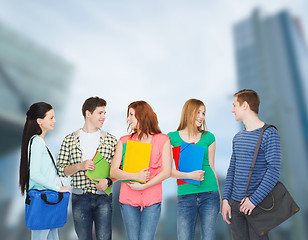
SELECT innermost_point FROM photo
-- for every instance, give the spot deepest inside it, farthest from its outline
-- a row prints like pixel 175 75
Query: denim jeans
pixel 48 234
pixel 189 206
pixel 240 229
pixel 140 225
pixel 91 208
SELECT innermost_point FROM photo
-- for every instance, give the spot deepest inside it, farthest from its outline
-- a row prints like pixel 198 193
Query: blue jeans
pixel 140 225
pixel 206 205
pixel 48 234
pixel 240 229
pixel 88 208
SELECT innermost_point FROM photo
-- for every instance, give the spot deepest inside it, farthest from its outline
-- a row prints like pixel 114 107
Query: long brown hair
pixel 188 116
pixel 37 110
pixel 146 117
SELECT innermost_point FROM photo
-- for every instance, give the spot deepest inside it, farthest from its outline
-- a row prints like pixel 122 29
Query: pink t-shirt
pixel 153 194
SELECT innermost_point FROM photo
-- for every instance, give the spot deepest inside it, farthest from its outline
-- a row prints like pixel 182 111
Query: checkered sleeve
pixel 114 145
pixel 63 159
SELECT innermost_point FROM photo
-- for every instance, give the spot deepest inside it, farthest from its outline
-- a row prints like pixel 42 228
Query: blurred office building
pixel 272 58
pixel 28 73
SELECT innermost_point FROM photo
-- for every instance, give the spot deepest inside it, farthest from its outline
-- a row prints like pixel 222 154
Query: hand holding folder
pixel 191 159
pixel 102 170
pixel 136 157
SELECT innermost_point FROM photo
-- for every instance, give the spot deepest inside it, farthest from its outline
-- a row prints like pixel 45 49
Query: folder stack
pixel 137 157
pixel 190 159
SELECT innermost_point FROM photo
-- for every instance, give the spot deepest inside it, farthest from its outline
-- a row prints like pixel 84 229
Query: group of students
pixel 140 203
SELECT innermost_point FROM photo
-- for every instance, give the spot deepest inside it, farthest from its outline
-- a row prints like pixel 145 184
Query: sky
pixel 163 52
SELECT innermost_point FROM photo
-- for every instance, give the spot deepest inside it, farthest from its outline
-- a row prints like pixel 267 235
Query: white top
pixel 89 143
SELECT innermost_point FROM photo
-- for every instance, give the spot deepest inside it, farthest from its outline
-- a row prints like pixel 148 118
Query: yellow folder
pixel 137 156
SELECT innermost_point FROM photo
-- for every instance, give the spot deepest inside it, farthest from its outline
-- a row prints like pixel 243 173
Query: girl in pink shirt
pixel 141 203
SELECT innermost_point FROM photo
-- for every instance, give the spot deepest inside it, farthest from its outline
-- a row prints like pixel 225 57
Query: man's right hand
pixel 226 211
pixel 87 165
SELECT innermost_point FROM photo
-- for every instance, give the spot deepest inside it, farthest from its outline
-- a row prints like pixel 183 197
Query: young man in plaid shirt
pixel 89 201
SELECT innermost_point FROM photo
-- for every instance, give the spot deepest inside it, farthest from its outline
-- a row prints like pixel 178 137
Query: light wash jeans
pixel 91 208
pixel 140 225
pixel 48 234
pixel 189 206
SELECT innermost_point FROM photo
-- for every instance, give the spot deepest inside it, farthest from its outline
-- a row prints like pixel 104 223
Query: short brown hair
pixel 249 96
pixel 92 103
pixel 146 117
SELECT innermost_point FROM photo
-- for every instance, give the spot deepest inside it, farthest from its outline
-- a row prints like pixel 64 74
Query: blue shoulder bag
pixel 45 209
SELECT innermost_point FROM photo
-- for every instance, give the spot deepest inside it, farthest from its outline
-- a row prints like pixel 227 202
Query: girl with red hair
pixel 141 203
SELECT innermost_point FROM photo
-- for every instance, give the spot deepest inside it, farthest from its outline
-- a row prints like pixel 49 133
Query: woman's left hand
pixel 136 185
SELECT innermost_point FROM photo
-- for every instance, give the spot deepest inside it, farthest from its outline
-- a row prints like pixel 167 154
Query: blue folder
pixel 191 159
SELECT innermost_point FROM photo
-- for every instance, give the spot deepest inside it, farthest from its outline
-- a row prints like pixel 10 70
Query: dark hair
pixel 249 96
pixel 92 103
pixel 37 110
pixel 146 117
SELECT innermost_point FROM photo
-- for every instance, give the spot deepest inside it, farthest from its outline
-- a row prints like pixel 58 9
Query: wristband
pixel 109 181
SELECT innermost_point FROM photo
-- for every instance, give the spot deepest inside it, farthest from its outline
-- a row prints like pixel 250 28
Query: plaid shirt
pixel 70 154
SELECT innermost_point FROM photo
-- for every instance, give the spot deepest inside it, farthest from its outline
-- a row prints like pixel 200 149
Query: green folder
pixel 102 170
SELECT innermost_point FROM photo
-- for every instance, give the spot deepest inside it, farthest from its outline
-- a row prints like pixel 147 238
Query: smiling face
pixel 238 110
pixel 200 117
pixel 47 123
pixel 96 118
pixel 132 120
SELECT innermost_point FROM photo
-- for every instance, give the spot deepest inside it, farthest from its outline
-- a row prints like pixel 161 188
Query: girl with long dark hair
pixel 43 174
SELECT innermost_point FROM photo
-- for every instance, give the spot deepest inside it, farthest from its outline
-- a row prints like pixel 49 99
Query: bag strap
pixel 52 159
pixel 256 154
pixel 44 198
pixel 28 164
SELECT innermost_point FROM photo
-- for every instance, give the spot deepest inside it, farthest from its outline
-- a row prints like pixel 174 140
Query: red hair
pixel 146 117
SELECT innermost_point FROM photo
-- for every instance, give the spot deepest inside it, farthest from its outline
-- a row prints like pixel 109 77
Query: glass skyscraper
pixel 272 59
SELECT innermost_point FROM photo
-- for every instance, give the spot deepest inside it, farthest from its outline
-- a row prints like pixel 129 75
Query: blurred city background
pixel 164 52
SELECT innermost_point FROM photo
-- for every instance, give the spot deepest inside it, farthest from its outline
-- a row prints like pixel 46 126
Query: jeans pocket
pixel 182 198
pixel 106 198
pixel 77 198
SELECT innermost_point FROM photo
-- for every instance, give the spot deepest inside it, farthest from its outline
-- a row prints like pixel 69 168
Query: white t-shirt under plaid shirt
pixel 71 153
pixel 88 144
